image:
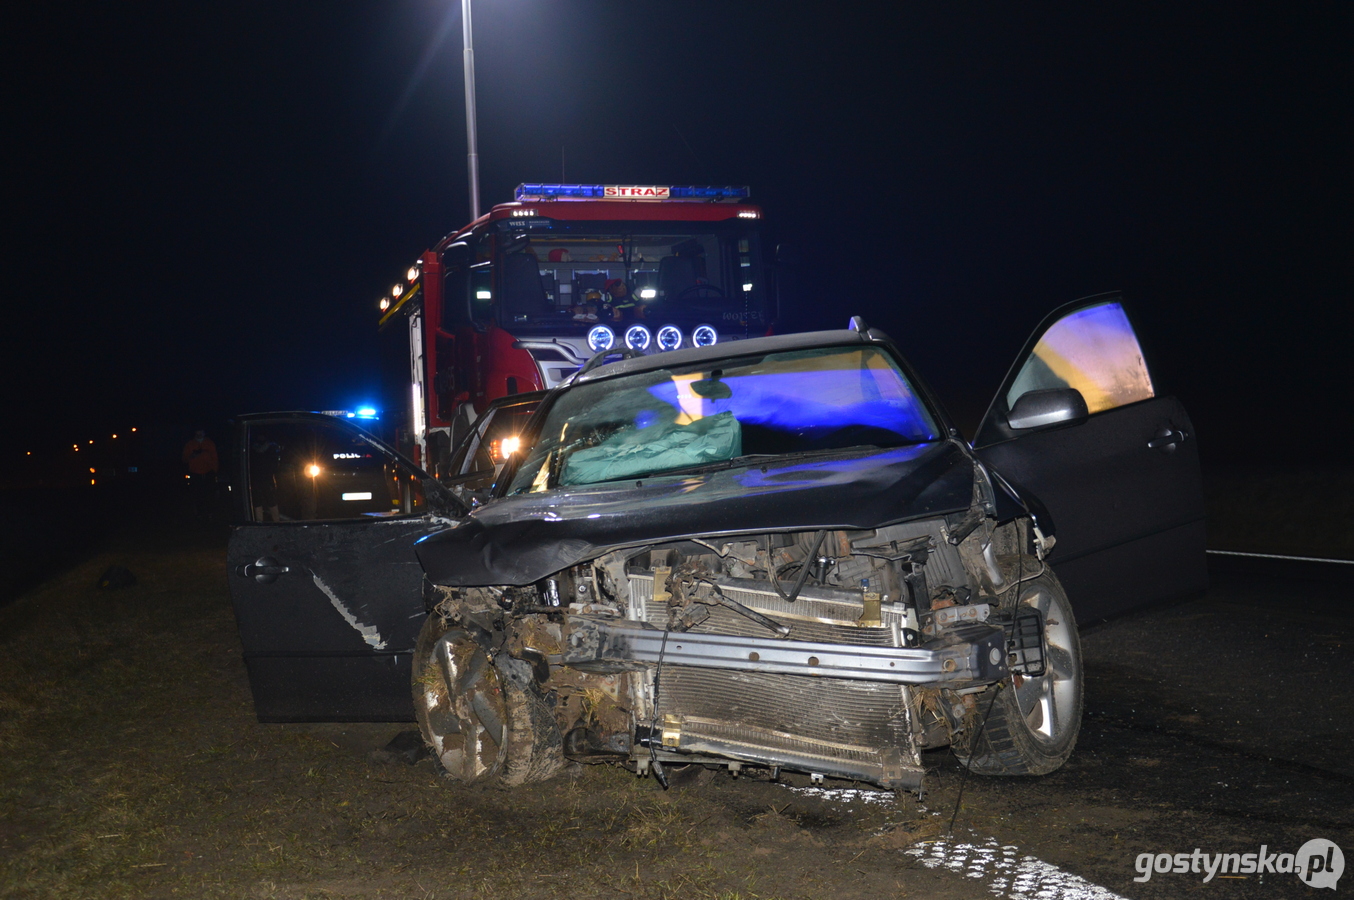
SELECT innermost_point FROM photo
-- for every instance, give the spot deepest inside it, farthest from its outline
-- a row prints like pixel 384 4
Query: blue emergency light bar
pixel 563 191
pixel 727 192
pixel 363 412
pixel 629 192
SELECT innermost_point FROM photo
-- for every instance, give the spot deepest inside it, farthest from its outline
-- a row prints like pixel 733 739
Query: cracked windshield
pixel 678 420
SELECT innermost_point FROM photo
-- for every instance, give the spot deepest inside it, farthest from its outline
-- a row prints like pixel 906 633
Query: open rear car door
pixel 326 587
pixel 1080 424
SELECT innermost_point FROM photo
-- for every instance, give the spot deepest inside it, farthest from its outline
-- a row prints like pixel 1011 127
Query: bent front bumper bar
pixel 968 654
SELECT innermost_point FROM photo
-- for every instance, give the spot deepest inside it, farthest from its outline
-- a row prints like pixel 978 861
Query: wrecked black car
pixel 774 553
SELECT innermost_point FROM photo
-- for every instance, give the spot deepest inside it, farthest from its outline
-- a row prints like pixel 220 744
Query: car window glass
pixel 665 420
pixel 683 275
pixel 301 470
pixel 466 458
pixel 501 438
pixel 481 284
pixel 493 440
pixel 1093 350
pixel 456 287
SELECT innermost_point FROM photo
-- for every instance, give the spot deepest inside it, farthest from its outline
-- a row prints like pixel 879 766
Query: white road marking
pixel 1007 873
pixel 1342 562
pixel 844 795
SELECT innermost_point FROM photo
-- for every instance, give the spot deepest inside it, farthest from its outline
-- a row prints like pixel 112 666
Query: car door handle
pixel 264 570
pixel 1167 438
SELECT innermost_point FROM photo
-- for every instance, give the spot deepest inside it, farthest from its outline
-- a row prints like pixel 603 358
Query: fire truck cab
pixel 522 297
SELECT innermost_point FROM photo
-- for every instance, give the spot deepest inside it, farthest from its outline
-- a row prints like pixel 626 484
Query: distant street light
pixel 473 158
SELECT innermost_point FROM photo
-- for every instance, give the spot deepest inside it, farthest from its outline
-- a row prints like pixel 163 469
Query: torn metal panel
pixel 368 632
pixel 331 637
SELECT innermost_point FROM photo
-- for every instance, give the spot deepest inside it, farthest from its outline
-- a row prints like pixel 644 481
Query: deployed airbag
pixel 633 452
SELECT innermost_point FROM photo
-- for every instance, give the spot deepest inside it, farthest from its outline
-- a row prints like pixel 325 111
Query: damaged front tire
pixel 1034 720
pixel 483 716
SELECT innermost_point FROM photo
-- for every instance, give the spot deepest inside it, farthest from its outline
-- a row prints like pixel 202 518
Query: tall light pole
pixel 473 158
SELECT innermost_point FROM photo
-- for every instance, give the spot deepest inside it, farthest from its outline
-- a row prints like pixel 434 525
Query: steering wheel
pixel 703 289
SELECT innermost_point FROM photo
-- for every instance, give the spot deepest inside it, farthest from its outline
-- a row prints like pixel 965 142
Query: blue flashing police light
pixel 365 412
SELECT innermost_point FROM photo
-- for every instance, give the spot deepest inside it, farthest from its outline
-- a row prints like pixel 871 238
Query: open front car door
pixel 326 587
pixel 1081 423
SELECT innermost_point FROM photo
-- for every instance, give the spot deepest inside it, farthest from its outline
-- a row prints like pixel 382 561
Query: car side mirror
pixel 475 488
pixel 1040 409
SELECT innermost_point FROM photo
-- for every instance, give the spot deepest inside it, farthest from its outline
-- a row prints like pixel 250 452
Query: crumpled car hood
pixel 520 540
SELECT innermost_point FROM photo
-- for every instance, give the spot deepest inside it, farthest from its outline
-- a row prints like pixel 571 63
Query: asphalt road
pixel 1221 724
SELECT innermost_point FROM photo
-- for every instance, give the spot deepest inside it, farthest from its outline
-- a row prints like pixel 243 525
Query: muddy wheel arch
pixel 483 715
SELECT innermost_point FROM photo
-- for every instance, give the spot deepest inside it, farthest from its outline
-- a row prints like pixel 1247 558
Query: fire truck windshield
pixel 567 277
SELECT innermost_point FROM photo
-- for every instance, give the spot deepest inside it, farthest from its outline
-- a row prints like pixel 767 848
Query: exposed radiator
pixel 854 714
pixel 836 726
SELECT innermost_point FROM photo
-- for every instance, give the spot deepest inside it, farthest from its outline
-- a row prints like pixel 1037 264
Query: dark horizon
pixel 210 200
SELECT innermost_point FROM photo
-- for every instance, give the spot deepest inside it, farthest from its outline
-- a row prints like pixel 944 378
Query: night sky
pixel 206 200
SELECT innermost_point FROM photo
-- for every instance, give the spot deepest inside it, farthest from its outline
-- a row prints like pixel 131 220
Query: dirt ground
pixel 131 765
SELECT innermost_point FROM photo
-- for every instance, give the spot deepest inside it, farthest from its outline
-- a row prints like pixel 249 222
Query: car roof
pixel 751 347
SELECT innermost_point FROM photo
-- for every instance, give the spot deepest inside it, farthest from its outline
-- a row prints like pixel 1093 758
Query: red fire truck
pixel 520 298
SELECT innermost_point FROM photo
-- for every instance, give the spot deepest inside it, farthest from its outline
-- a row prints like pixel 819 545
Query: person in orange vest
pixel 199 455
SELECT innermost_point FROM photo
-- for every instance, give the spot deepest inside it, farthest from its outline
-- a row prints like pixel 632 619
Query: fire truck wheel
pixel 484 721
